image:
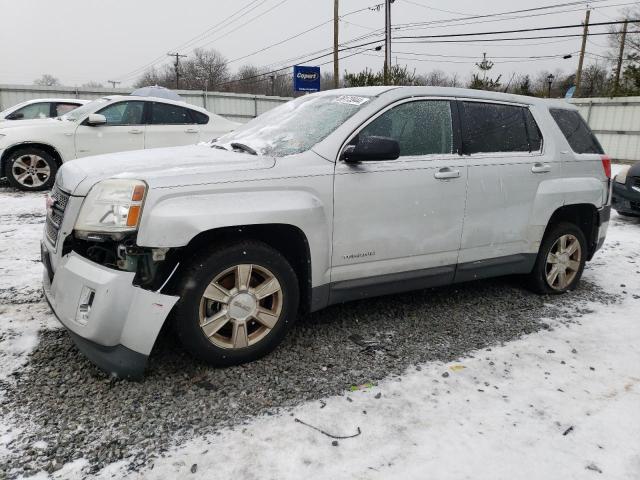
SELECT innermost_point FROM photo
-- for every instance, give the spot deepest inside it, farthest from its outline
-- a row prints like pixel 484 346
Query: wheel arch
pixel 585 216
pixel 287 239
pixel 50 149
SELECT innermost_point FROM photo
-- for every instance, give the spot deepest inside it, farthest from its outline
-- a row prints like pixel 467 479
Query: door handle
pixel 191 130
pixel 135 131
pixel 446 173
pixel 541 168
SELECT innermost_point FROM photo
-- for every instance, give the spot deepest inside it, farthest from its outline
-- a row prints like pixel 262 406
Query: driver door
pixel 398 223
pixel 124 130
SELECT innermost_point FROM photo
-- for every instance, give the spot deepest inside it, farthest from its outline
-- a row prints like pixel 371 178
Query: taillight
pixel 606 164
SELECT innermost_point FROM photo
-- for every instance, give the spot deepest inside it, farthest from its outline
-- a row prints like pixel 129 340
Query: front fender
pixel 175 221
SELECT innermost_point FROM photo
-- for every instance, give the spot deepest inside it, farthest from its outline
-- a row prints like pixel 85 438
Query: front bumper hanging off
pixel 114 323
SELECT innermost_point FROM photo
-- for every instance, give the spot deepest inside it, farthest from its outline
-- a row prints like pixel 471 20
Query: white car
pixel 41 108
pixel 31 151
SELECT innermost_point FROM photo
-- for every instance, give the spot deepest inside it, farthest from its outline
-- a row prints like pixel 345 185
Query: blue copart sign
pixel 306 79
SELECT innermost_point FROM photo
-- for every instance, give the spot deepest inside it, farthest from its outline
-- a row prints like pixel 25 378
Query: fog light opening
pixel 84 305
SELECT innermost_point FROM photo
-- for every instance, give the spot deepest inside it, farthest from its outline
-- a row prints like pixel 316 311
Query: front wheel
pixel 236 303
pixel 31 169
pixel 560 261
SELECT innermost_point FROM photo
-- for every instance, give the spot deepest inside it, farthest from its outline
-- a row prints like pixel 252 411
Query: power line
pixel 223 21
pixel 519 30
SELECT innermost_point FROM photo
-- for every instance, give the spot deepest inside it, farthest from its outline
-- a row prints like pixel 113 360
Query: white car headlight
pixel 112 207
pixel 621 177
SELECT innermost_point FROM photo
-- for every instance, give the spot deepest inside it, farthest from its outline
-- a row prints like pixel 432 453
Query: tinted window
pixel 535 137
pixel 123 113
pixel 490 127
pixel 421 127
pixel 576 131
pixel 64 108
pixel 35 110
pixel 167 114
pixel 199 117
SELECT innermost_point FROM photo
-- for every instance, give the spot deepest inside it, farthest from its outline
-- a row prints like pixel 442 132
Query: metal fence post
pixel 255 106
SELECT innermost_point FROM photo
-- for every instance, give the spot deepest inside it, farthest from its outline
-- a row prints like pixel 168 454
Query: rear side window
pixel 576 131
pixel 167 114
pixel 494 128
pixel 199 117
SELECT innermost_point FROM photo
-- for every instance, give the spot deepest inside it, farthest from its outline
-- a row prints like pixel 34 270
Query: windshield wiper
pixel 218 146
pixel 243 147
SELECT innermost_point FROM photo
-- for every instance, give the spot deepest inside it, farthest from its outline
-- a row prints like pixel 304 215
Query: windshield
pixel 82 110
pixel 294 127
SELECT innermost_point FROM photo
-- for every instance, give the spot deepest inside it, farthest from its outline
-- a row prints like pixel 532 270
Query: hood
pixel 162 167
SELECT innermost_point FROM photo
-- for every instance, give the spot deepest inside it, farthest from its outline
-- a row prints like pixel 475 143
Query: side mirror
pixel 15 116
pixel 95 119
pixel 372 148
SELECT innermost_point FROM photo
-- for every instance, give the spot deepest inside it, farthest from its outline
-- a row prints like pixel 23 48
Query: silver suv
pixel 335 196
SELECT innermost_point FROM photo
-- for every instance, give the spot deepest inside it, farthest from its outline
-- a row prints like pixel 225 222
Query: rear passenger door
pixel 401 217
pixel 506 161
pixel 171 125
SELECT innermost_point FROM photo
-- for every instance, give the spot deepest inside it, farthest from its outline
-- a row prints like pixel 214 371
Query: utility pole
pixel 584 46
pixel 177 67
pixel 620 57
pixel 113 83
pixel 336 24
pixel 387 40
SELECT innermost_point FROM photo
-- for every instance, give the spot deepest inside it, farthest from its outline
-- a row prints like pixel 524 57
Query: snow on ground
pixel 558 404
pixel 21 221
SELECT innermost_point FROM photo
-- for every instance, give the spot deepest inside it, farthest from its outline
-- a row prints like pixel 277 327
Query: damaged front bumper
pixel 114 323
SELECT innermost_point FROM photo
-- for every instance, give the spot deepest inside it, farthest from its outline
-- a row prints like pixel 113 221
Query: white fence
pixel 616 123
pixel 234 106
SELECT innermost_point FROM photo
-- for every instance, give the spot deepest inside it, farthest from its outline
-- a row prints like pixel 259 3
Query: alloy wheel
pixel 563 262
pixel 240 306
pixel 31 170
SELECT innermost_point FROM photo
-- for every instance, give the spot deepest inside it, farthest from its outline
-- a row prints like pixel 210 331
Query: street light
pixel 550 78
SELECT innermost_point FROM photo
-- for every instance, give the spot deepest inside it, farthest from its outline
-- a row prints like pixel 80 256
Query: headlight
pixel 113 207
pixel 621 177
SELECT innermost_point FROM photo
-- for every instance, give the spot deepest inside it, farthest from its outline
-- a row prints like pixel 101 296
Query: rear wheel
pixel 560 261
pixel 31 169
pixel 236 304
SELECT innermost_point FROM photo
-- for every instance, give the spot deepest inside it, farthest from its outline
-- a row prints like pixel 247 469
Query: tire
pixel 239 327
pixel 31 169
pixel 572 263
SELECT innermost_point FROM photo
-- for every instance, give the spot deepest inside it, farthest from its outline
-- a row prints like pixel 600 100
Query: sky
pixel 79 41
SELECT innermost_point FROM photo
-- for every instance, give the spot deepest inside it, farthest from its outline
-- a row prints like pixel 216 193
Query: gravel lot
pixel 69 409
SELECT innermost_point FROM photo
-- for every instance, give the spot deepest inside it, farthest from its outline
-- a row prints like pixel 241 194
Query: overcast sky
pixel 84 40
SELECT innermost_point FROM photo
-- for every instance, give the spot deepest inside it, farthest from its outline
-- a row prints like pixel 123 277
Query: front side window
pixel 33 111
pixel 576 131
pixel 495 128
pixel 167 114
pixel 124 113
pixel 296 126
pixel 420 127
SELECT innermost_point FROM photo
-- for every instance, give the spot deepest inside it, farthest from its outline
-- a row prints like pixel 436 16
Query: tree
pixel 398 75
pixel 629 81
pixel 248 80
pixel 480 81
pixel 47 80
pixel 202 70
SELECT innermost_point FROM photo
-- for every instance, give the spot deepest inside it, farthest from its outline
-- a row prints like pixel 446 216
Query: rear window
pixel 576 131
pixel 493 128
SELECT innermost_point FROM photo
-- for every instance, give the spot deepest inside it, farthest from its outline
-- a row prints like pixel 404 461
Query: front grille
pixel 635 183
pixel 55 213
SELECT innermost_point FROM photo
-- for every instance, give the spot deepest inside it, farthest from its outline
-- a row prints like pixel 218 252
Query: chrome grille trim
pixel 55 214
